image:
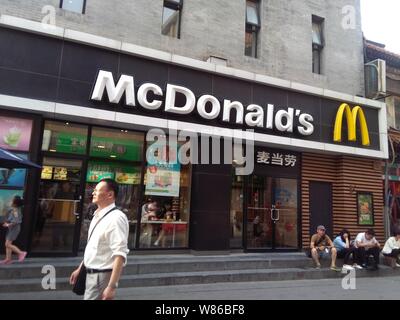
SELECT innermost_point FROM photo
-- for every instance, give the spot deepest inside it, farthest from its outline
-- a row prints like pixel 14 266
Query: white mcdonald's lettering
pixel 207 106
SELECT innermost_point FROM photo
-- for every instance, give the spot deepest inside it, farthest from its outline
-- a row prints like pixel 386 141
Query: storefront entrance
pixel 264 211
pixel 59 207
pixel 271 213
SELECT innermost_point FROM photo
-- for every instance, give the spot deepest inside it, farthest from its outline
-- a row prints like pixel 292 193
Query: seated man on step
pixel 367 245
pixel 322 247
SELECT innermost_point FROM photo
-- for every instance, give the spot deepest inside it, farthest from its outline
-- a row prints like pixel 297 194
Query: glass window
pixel 165 209
pixel 58 205
pixel 73 5
pixel 116 144
pixel 251 44
pixel 128 178
pixel 317 43
pixel 396 102
pixel 317 33
pixel 316 61
pixel 252 28
pixel 170 24
pixel 252 16
pixel 236 212
pixel 64 137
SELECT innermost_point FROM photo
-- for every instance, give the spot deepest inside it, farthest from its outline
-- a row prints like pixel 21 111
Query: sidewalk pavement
pixel 386 288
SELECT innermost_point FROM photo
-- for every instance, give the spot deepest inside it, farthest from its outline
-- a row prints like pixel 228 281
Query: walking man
pixel 107 247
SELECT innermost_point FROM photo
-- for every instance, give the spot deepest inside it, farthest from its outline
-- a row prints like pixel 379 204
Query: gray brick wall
pixel 216 27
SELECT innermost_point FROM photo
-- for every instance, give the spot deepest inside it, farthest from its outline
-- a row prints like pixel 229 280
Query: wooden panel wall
pixel 347 175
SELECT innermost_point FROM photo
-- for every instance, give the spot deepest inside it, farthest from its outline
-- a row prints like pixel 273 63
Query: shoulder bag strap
pixel 99 221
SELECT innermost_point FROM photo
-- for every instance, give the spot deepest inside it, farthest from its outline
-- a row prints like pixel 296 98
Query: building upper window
pixel 77 6
pixel 171 19
pixel 252 27
pixel 317 43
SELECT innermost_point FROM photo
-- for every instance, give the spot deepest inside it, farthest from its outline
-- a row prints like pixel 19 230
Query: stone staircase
pixel 180 269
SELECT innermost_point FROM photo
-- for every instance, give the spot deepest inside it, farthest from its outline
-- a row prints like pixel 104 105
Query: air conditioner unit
pixel 375 79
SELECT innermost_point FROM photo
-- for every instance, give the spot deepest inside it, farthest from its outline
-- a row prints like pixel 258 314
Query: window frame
pixel 83 7
pixel 253 28
pixel 316 47
pixel 173 5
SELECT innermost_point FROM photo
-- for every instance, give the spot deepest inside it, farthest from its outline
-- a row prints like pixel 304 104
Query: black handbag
pixel 80 283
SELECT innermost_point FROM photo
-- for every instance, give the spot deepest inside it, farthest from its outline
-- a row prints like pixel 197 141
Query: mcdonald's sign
pixel 351 115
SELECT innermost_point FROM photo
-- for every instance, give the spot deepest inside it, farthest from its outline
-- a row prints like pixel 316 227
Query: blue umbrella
pixel 11 160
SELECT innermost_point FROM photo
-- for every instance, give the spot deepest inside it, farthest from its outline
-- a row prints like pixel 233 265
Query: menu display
pixel 47 173
pixel 122 174
pixel 96 176
pixel 60 173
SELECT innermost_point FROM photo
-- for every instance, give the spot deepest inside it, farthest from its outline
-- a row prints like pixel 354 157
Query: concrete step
pixel 201 277
pixel 32 268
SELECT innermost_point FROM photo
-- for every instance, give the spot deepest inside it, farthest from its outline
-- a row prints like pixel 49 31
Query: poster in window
pixel 98 171
pixel 13 177
pixel 163 180
pixel 365 208
pixel 15 133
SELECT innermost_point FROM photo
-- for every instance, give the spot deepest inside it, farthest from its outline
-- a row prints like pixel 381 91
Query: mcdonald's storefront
pixel 85 114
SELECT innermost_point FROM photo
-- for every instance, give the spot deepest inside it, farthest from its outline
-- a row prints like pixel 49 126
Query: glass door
pixel 59 206
pixel 285 213
pixel 271 207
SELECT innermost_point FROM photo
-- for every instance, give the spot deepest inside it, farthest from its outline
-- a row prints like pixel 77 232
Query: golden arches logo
pixel 351 116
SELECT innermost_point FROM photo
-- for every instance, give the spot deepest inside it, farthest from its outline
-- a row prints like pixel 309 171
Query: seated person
pixel 322 247
pixel 367 245
pixel 392 247
pixel 149 213
pixel 345 250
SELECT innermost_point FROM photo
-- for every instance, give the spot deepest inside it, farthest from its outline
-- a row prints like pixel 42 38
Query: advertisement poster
pixel 15 133
pixel 365 209
pixel 286 196
pixel 163 180
pixel 13 177
pixel 6 197
pixel 99 171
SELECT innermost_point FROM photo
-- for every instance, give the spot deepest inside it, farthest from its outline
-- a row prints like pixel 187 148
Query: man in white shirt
pixel 367 245
pixel 391 248
pixel 107 247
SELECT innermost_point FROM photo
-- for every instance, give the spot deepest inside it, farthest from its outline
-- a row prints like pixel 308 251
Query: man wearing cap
pixel 322 247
